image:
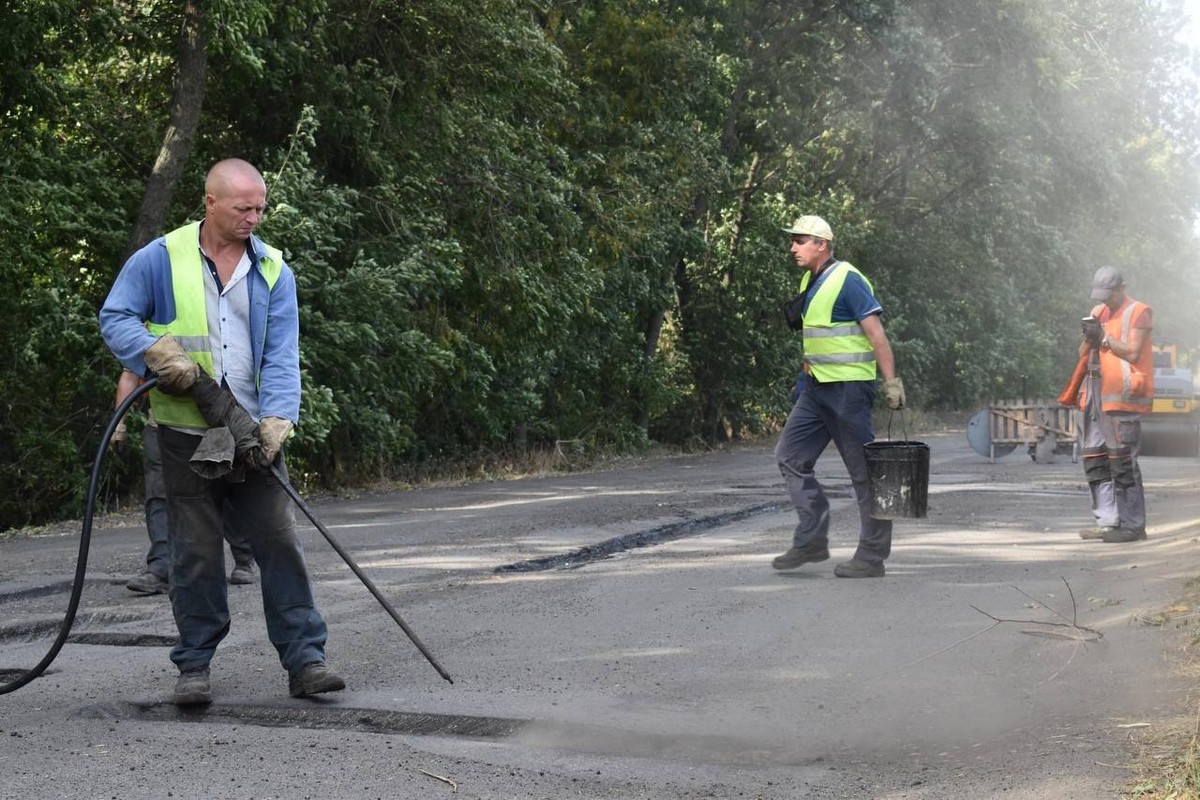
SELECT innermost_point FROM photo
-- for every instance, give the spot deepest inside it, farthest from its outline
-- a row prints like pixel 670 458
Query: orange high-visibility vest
pixel 1124 385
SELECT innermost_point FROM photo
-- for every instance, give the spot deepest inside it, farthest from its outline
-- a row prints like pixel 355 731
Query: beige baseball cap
pixel 810 225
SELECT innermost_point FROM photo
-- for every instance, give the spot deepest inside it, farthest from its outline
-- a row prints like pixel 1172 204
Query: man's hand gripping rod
pixel 221 410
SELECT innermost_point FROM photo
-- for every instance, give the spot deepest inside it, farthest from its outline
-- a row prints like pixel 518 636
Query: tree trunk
pixel 641 392
pixel 743 215
pixel 186 101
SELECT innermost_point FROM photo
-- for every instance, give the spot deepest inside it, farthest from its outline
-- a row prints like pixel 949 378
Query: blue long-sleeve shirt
pixel 143 293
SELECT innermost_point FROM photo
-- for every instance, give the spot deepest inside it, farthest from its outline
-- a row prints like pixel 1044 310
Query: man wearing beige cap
pixel 844 348
pixel 1118 388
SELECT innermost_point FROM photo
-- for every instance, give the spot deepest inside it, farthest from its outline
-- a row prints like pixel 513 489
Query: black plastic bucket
pixel 899 474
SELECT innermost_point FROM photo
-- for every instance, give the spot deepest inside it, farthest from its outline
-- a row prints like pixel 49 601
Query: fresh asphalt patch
pixel 323 714
pixel 630 541
pixel 313 714
pixel 659 534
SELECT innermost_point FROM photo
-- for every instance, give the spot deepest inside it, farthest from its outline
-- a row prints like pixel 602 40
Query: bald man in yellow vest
pixel 212 296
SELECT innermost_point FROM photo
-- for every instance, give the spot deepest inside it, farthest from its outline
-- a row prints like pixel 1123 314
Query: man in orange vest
pixel 1119 387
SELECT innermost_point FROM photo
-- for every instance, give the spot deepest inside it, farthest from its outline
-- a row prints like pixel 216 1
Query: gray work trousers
pixel 839 412
pixel 199 597
pixel 158 525
pixel 1118 497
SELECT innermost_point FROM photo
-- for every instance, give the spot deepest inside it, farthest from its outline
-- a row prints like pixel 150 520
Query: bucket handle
pixel 903 422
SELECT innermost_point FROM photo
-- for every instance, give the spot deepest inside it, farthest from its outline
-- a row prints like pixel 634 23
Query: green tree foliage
pixel 62 213
pixel 519 222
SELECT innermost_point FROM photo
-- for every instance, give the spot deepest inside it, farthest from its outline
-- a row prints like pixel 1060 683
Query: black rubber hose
pixel 85 540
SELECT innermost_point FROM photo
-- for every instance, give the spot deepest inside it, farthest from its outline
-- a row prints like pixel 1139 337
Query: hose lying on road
pixel 85 541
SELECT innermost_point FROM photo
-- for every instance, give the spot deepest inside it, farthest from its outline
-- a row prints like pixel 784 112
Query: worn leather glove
pixel 1092 331
pixel 893 392
pixel 221 410
pixel 272 433
pixel 175 368
pixel 117 441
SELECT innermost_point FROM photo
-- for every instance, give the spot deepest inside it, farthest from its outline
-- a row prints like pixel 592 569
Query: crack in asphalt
pixel 30 629
pixel 123 639
pixel 51 588
pixel 582 556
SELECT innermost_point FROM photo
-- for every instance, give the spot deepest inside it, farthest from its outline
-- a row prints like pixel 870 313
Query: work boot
pixel 801 555
pixel 1124 534
pixel 1095 532
pixel 242 574
pixel 858 569
pixel 314 678
pixel 192 688
pixel 148 583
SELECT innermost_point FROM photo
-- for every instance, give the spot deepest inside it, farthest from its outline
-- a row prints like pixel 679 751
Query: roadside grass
pixel 1168 766
pixel 1168 762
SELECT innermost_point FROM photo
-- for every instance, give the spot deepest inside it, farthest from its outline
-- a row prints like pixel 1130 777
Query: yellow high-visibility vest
pixel 835 351
pixel 190 326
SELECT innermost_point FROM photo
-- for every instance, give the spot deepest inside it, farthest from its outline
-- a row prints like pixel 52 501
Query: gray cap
pixel 1107 280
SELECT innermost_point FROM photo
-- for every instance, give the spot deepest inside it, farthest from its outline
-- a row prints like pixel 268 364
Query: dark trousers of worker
pixel 839 412
pixel 199 599
pixel 1118 497
pixel 158 557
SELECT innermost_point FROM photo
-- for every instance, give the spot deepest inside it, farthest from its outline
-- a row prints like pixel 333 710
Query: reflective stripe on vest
pixel 190 326
pixel 835 351
pixel 1126 386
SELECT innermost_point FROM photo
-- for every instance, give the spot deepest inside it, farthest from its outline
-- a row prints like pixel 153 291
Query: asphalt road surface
pixel 621 634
